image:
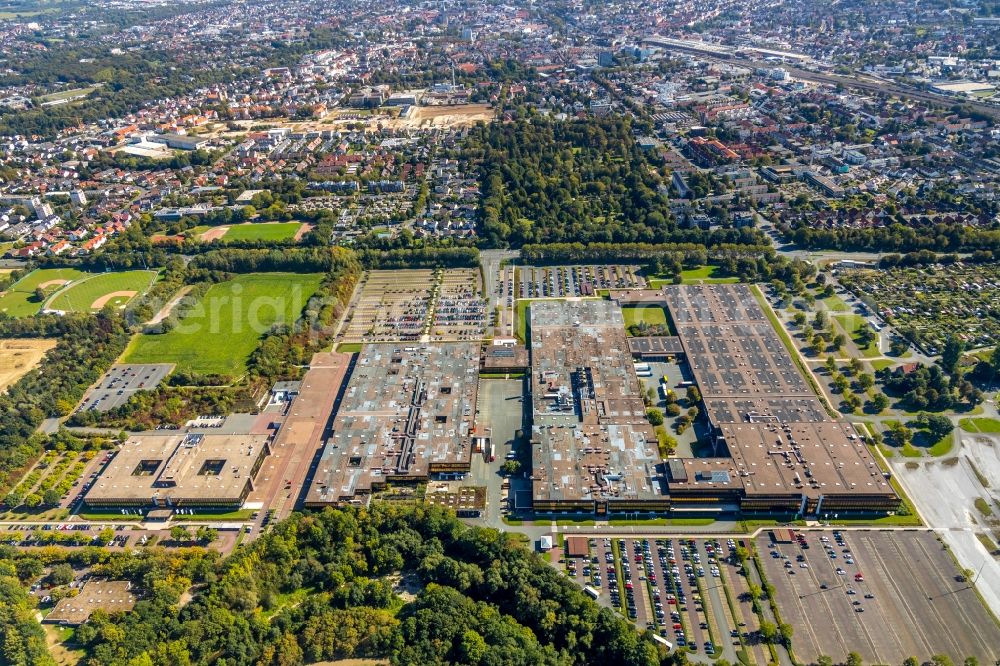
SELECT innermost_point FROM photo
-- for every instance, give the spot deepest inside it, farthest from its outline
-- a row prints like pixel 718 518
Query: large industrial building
pixel 406 416
pixel 775 447
pixel 182 470
pixel 592 447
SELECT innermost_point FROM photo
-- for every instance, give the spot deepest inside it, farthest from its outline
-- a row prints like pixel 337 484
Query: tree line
pixel 896 238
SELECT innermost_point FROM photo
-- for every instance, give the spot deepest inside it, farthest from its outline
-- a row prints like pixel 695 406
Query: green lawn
pixel 674 522
pixel 67 94
pixel 521 310
pixel 654 316
pixel 262 231
pixel 19 301
pixel 881 364
pixel 835 303
pixel 983 424
pixel 852 325
pixel 83 295
pixel 942 446
pixel 349 347
pixel 701 275
pixel 218 335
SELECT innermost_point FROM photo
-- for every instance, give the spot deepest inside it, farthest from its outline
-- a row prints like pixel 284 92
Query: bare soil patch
pixel 303 230
pixel 215 233
pixel 107 298
pixel 17 357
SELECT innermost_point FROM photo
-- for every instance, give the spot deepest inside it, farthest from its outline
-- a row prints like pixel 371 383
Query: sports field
pixel 218 335
pixel 251 231
pixel 101 290
pixel 19 300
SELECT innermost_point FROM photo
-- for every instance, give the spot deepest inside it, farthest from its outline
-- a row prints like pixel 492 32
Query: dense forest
pixel 547 181
pixel 323 586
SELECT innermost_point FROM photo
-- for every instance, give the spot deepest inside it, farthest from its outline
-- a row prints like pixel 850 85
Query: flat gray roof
pixel 407 412
pixel 180 468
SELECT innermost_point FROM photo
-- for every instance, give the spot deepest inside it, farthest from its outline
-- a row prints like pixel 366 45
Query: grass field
pixel 68 94
pixel 19 301
pixel 701 275
pixel 262 231
pixel 218 335
pixel 835 303
pixel 652 316
pixel 251 231
pixel 102 290
pixel 852 325
pixel 984 424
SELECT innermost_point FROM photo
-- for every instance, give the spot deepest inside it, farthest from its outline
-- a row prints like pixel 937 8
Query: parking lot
pixel 459 312
pixel 682 589
pixel 121 381
pixel 572 281
pixel 412 305
pixel 392 305
pixel 885 595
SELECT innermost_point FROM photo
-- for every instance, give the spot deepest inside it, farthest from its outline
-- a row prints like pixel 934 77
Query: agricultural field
pixel 102 290
pixel 20 300
pixel 218 334
pixel 930 303
pixel 17 357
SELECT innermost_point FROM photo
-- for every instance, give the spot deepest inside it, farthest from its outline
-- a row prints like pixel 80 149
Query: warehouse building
pixel 592 449
pixel 405 417
pixel 776 450
pixel 183 470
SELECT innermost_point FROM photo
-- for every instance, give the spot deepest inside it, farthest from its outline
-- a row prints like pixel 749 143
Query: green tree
pixel 951 354
pixel 510 467
pixel 180 534
pixel 768 632
pixel 51 497
pixel 654 416
pixel 879 402
pixel 61 574
pixel 206 535
pixel 854 659
pixel 693 395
